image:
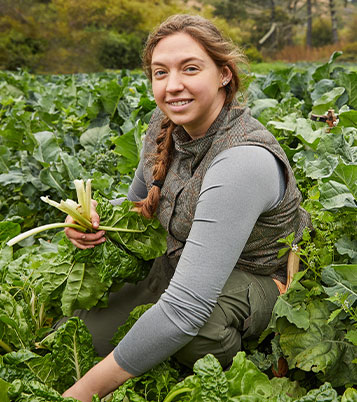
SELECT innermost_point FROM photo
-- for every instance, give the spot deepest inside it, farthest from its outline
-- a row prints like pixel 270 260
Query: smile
pixel 179 103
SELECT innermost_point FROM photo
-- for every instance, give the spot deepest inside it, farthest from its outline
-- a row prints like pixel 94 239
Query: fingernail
pixel 83 237
pixel 95 223
pixel 103 239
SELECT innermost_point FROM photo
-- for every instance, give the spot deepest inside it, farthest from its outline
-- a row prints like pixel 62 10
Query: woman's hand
pixel 86 240
pixel 102 379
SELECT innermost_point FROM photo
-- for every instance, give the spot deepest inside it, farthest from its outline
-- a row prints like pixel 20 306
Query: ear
pixel 226 75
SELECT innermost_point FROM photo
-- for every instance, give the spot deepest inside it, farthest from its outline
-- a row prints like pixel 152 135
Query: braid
pixel 164 141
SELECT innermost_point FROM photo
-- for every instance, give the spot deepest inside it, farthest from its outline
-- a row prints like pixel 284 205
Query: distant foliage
pixel 118 51
pixel 321 32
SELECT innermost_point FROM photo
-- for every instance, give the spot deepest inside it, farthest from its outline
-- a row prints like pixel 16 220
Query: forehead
pixel 176 47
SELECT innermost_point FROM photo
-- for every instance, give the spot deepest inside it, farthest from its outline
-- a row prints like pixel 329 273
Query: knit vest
pixel 233 127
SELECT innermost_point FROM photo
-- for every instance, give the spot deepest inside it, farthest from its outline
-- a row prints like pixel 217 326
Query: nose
pixel 174 82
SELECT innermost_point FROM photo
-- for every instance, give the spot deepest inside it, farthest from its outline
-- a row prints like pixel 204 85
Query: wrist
pixel 102 379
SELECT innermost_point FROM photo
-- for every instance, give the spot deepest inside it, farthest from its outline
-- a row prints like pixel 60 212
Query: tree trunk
pixel 272 8
pixel 309 24
pixel 333 21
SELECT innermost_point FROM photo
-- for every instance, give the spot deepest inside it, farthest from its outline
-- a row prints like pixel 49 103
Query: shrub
pixel 118 51
pixel 19 51
pixel 321 32
pixel 349 52
pixel 254 55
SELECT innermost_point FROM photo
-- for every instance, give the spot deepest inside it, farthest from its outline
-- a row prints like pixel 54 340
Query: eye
pixel 191 69
pixel 159 73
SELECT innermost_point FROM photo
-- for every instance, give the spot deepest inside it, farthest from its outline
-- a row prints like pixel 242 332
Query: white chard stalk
pixel 80 212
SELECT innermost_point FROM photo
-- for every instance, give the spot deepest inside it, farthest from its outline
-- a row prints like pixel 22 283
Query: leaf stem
pixel 169 398
pixel 40 229
pixel 5 346
pixel 115 229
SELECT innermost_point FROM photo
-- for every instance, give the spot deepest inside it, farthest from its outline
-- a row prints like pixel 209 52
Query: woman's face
pixel 187 84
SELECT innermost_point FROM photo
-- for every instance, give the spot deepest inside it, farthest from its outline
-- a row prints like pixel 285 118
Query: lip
pixel 171 103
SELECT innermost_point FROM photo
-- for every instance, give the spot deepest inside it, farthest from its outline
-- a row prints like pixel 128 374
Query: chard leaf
pixel 350 395
pixel 4 386
pixel 34 391
pixel 14 330
pixel 72 352
pixel 213 382
pixel 245 379
pixel 83 288
pixel 149 244
pixel 325 393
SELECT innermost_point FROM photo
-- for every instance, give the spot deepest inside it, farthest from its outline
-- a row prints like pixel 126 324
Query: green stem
pixel 114 229
pixel 169 397
pixel 5 346
pixel 40 229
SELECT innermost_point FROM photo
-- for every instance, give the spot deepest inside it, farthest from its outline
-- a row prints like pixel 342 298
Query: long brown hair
pixel 222 51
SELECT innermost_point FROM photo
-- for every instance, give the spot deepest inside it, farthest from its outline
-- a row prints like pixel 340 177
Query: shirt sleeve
pixel 240 184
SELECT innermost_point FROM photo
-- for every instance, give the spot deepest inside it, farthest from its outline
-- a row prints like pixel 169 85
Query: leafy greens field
pixel 54 129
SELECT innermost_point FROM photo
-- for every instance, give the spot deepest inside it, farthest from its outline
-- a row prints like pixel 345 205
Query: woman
pixel 222 187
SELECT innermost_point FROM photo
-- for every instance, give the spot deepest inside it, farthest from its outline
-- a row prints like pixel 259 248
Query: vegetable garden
pixel 57 129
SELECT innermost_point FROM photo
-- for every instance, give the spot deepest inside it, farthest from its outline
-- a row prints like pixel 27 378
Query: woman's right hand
pixel 86 240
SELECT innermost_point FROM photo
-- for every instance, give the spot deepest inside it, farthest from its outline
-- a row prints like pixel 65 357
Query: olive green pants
pixel 243 311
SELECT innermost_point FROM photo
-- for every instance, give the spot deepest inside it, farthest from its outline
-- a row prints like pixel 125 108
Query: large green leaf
pixel 94 138
pixel 47 149
pixel 327 101
pixel 348 119
pixel 72 352
pixel 307 134
pixel 336 195
pixel 14 328
pixel 338 285
pixel 347 246
pixel 347 175
pixel 320 348
pixel 4 386
pixel 349 81
pixel 213 381
pixel 4 159
pixel 245 379
pixel 83 288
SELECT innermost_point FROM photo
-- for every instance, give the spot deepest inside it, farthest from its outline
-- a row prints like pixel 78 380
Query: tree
pixel 333 21
pixel 309 24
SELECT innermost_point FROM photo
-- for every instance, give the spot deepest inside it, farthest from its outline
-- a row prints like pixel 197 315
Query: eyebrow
pixel 186 60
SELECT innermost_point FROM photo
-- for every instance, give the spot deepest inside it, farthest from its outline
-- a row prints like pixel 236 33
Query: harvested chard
pixel 80 212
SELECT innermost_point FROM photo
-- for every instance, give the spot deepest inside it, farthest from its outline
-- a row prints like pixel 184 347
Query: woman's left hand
pixel 103 378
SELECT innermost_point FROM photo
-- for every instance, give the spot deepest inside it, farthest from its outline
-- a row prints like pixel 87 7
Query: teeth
pixel 180 103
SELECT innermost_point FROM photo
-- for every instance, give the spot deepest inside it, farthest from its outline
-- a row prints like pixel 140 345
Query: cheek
pixel 158 92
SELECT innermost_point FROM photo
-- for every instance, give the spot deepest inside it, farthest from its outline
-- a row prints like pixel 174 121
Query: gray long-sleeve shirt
pixel 241 183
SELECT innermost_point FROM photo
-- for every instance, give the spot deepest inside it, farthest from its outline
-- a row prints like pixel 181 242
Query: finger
pixel 84 244
pixel 93 214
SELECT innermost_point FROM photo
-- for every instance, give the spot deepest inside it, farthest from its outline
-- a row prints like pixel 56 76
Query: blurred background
pixel 73 36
